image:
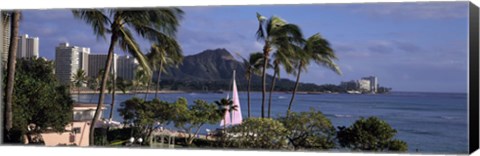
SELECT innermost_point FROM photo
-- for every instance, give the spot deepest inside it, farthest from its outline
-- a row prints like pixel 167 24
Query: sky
pixel 409 46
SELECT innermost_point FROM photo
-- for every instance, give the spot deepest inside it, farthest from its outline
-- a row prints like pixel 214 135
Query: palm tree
pixel 225 105
pixel 151 24
pixel 165 53
pixel 317 49
pixel 252 66
pixel 5 20
pixel 279 58
pixel 277 34
pixel 78 79
pixel 122 84
pixel 12 55
pixel 93 85
pixel 139 80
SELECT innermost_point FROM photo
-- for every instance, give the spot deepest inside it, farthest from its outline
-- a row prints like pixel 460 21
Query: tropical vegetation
pixel 276 34
pixel 309 130
pixel 41 103
pixel 371 134
pixel 14 18
pixel 78 80
pixel 152 24
pixel 36 102
pixel 316 49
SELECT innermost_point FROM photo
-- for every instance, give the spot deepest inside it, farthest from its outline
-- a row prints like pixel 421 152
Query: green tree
pixel 318 49
pixel 145 115
pixel 309 130
pixel 12 52
pixel 39 100
pixel 78 79
pixel 152 24
pixel 258 133
pixel 165 53
pixel 192 118
pixel 252 66
pixel 277 34
pixel 371 134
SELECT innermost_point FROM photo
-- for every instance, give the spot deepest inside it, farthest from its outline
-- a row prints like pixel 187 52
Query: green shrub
pixel 370 134
pixel 258 133
pixel 309 130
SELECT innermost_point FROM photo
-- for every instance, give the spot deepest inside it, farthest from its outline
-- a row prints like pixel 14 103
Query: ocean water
pixel 428 122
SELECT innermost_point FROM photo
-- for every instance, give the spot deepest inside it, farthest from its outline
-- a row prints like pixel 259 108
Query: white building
pixel 364 85
pixel 27 46
pixel 373 83
pixel 126 67
pixel 96 62
pixel 68 59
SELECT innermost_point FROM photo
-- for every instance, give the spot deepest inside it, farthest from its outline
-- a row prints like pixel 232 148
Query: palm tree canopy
pixel 322 53
pixel 225 105
pixel 167 52
pixel 141 77
pixel 318 49
pixel 253 64
pixel 159 24
pixel 283 58
pixel 278 32
pixel 79 78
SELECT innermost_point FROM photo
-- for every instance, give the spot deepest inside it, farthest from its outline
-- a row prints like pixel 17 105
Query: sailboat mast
pixel 233 75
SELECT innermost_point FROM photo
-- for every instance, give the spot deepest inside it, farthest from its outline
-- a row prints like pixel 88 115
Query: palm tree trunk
pixel 295 89
pixel 248 93
pixel 265 64
pixel 12 55
pixel 158 80
pixel 113 98
pixel 103 85
pixel 148 89
pixel 271 90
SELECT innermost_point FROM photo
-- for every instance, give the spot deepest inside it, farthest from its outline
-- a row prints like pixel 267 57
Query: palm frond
pixel 128 44
pixel 96 18
pixel 164 20
pixel 260 32
pixel 330 64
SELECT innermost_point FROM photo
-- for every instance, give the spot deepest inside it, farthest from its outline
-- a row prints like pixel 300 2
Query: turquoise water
pixel 429 122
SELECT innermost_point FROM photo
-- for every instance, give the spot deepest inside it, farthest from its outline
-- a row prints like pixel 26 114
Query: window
pixel 76 130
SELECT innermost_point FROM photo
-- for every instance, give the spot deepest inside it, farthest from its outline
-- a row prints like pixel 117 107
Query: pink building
pixel 76 133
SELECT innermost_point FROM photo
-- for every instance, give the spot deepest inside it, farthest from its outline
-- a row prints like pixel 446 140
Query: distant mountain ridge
pixel 209 65
pixel 212 70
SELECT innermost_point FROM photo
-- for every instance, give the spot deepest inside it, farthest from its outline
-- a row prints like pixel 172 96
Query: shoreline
pixel 85 91
pixel 74 91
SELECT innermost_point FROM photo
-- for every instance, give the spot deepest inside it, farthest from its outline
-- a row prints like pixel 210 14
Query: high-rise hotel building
pixel 373 86
pixel 68 59
pixel 126 67
pixel 27 46
pixel 96 62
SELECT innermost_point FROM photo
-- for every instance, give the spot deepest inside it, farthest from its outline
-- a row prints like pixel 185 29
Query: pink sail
pixel 237 114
